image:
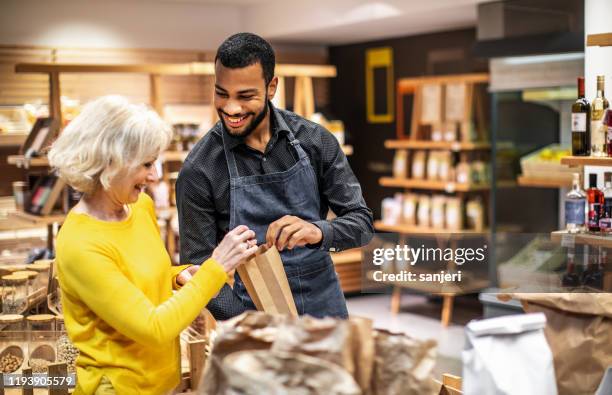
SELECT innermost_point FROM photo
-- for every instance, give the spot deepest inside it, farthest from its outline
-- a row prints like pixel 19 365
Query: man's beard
pixel 250 127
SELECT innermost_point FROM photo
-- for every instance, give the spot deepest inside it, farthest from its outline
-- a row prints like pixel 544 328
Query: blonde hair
pixel 109 136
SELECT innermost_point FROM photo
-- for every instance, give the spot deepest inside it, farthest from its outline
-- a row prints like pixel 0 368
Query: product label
pixel 574 212
pixel 579 122
pixel 608 207
pixel 594 209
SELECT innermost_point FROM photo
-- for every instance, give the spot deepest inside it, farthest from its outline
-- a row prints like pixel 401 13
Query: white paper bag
pixel 507 356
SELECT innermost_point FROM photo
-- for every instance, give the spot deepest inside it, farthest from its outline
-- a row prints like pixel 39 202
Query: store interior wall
pixel 413 56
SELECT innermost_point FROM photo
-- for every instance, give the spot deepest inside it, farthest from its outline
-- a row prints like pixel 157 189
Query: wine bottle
pixel 581 123
pixel 598 130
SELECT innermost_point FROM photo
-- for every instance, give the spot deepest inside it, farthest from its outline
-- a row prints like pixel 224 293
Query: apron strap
pixel 231 159
pixel 295 143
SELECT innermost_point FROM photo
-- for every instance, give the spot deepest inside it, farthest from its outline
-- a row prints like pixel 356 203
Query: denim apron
pixel 257 201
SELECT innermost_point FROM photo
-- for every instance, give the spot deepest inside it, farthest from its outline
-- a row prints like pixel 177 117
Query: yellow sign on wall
pixel 379 58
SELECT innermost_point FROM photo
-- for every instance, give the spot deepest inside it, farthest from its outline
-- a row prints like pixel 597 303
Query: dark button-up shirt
pixel 202 189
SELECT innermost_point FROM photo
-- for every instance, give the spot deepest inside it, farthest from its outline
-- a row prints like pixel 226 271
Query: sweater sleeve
pixel 95 278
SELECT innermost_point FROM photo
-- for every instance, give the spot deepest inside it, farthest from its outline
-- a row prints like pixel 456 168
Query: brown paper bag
pixel 363 351
pixel 579 332
pixel 265 281
pixel 275 373
pixel 403 365
pixel 326 338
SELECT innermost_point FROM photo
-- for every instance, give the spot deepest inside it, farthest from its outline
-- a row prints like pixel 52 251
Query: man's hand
pixel 186 275
pixel 291 231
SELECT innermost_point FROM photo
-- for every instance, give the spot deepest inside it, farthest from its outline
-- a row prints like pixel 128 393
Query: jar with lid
pixel 41 345
pixel 13 343
pixel 42 267
pixel 31 275
pixel 15 298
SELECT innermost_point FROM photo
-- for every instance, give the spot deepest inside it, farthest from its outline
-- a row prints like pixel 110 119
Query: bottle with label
pixel 605 220
pixel 598 131
pixel 595 199
pixel 581 123
pixel 608 125
pixel 592 276
pixel 575 202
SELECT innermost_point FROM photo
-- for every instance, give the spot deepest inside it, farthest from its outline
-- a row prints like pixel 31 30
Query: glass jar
pixel 42 267
pixel 15 300
pixel 41 345
pixel 32 279
pixel 13 343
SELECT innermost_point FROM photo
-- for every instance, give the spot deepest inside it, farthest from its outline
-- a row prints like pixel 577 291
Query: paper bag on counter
pixel 579 331
pixel 327 338
pixel 508 355
pixel 266 282
pixel 403 365
pixel 363 351
pixel 275 373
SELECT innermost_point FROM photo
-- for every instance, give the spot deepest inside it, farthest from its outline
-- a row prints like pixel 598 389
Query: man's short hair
pixel 245 49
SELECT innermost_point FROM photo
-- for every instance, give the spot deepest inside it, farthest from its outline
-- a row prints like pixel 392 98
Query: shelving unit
pixel 414 137
pixel 564 237
pixel 544 182
pixel 586 161
pixel 420 230
pixel 348 267
pixel 455 146
pixel 446 186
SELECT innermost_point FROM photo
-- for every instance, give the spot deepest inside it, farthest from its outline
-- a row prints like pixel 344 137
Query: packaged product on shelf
pixel 586 319
pixel 454 214
pixel 403 365
pixel 475 214
pixel 400 164
pixel 13 342
pixel 463 173
pixel 479 174
pixel 433 165
pixel 409 207
pixel 424 210
pixel 418 165
pixel 450 131
pixel 508 355
pixel 437 211
pixel 392 209
pixel 445 166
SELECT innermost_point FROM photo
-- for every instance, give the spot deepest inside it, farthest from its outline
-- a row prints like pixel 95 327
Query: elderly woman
pixel 114 272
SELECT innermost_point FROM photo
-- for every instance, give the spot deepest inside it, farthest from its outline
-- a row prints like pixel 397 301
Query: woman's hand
pixel 237 247
pixel 186 275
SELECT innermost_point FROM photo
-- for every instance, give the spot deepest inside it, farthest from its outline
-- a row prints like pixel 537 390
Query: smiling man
pixel 275 172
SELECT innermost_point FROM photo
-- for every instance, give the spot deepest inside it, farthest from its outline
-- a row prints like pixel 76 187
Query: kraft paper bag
pixel 508 355
pixel 579 331
pixel 266 282
pixel 403 365
pixel 290 373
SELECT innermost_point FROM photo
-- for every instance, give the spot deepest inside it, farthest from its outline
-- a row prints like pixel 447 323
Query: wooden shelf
pixel 437 145
pixel 21 161
pixel 446 186
pixel 12 139
pixel 38 219
pixel 193 68
pixel 586 161
pixel 349 256
pixel 544 182
pixel 599 40
pixel 565 238
pixel 408 229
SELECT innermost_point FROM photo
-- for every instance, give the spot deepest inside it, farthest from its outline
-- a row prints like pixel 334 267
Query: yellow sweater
pixel 116 281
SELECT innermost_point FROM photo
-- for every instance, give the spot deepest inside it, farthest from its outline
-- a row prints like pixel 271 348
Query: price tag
pixel 450 187
pixel 455 146
pixel 568 240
